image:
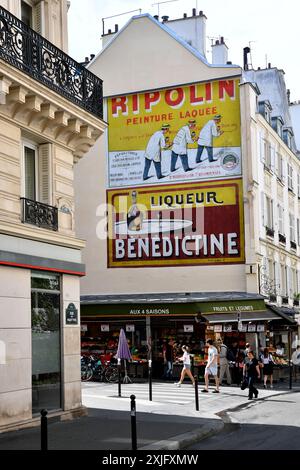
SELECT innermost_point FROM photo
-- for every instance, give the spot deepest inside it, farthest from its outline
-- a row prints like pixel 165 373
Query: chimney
pixel 156 17
pixel 219 52
pixel 191 29
pixel 288 94
pixel 246 51
pixel 164 18
pixel 194 12
pixel 116 28
pixel 92 56
pixel 269 65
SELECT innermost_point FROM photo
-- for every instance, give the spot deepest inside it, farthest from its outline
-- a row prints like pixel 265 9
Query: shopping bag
pixel 244 383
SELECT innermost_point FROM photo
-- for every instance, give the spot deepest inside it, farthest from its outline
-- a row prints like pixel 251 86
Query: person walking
pixel 224 364
pixel 252 372
pixel 211 366
pixel 186 358
pixel 296 361
pixel 267 366
pixel 156 144
pixel 184 136
pixel 168 352
pixel 210 130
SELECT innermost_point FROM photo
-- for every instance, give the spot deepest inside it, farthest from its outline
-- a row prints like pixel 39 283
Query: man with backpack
pixel 226 356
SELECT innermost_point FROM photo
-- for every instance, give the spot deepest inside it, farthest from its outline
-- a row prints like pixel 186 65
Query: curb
pixel 182 441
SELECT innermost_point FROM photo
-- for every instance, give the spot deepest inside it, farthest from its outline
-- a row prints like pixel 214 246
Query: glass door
pixel 46 347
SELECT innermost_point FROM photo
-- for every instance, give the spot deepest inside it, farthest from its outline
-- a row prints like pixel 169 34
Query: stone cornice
pixel 41 110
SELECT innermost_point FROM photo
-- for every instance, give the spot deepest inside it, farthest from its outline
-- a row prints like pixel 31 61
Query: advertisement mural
pixel 185 133
pixel 173 225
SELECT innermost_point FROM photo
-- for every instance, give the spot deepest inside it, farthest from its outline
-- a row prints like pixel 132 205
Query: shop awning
pixel 244 316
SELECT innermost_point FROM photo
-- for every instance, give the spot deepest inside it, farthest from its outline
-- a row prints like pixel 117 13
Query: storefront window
pixel 46 348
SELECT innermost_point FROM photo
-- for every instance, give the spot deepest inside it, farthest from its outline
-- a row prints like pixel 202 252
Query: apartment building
pixel 50 116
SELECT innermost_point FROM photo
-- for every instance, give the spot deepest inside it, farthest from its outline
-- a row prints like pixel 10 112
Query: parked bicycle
pixel 93 368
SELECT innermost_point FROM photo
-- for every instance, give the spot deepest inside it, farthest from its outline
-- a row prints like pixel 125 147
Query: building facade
pixel 215 270
pixel 50 116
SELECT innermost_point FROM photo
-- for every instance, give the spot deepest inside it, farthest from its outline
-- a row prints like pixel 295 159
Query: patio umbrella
pixel 123 352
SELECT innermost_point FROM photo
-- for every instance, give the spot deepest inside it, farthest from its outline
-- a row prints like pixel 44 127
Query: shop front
pixel 150 321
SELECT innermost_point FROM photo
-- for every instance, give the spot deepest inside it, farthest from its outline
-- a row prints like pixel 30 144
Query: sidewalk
pixel 168 422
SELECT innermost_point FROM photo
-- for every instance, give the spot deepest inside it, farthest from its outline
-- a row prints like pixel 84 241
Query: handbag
pixel 244 383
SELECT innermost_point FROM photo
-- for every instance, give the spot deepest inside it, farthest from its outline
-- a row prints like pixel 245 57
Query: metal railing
pixel 39 214
pixel 30 52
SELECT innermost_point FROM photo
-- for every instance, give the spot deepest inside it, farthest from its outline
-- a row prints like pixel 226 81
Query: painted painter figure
pixel 208 132
pixel 185 135
pixel 156 144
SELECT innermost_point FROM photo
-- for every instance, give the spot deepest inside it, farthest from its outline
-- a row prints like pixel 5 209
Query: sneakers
pixel 265 386
pixel 204 390
pixel 178 384
pixel 216 391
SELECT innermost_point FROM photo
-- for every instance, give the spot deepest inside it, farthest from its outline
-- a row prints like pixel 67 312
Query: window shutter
pixel 289 282
pixel 277 278
pixel 262 206
pixel 262 148
pixel 272 150
pixel 45 174
pixel 39 18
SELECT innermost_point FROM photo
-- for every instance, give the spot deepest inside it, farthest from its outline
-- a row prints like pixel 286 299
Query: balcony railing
pixel 28 51
pixel 39 214
pixel 282 238
pixel 269 232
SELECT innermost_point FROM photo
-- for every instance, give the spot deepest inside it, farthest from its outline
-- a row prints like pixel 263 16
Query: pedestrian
pixel 296 361
pixel 210 130
pixel 211 366
pixel 168 352
pixel 267 366
pixel 156 144
pixel 252 372
pixel 183 137
pixel 186 358
pixel 224 363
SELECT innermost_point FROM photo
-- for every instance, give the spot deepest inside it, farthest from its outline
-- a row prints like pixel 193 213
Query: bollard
pixel 119 376
pixel 133 423
pixel 44 430
pixel 150 379
pixel 196 393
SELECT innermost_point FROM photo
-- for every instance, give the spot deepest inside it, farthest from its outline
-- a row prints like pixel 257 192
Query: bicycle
pixel 94 368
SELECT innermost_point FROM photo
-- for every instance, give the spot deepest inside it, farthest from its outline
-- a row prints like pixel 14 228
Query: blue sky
pixel 271 27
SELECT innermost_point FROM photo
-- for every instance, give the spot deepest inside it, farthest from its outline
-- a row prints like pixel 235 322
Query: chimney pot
pixel 156 17
pixel 194 11
pixel 165 18
pixel 92 56
pixel 222 39
pixel 86 59
pixel 269 65
pixel 109 31
pixel 229 62
pixel 116 28
pixel 201 12
pixel 184 15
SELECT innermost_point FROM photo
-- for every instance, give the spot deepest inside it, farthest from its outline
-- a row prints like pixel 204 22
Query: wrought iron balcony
pixel 28 51
pixel 39 214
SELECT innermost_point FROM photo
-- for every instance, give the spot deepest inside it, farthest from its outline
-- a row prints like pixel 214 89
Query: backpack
pixel 230 356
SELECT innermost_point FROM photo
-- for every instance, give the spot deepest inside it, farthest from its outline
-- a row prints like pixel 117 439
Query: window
pixel 298 232
pixel 26 13
pixel 269 206
pixel 298 185
pixel 280 219
pixel 37 169
pixel 33 15
pixel 290 177
pixel 292 228
pixel 279 166
pixel 46 343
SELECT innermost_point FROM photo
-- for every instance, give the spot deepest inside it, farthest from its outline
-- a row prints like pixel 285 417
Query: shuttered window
pixel 38 173
pixel 39 18
pixel 30 172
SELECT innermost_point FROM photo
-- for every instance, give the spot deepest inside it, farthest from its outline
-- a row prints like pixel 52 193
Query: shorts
pixel 212 370
pixel 187 366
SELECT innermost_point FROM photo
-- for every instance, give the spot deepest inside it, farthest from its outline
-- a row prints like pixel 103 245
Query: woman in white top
pixel 186 358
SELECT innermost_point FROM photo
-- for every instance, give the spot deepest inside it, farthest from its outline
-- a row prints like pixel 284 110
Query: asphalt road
pixel 269 424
